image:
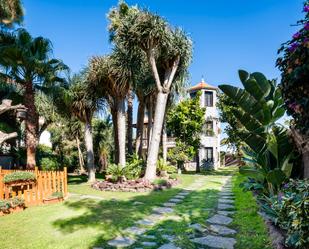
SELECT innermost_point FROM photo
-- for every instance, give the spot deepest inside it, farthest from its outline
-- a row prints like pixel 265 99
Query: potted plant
pixel 4 207
pixel 19 178
pixel 54 198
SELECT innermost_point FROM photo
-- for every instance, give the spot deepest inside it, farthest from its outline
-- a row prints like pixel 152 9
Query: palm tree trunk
pixel 89 149
pixel 150 121
pixel 115 128
pixel 80 157
pixel 164 142
pixel 121 122
pixel 130 122
pixel 32 126
pixel 156 135
pixel 140 128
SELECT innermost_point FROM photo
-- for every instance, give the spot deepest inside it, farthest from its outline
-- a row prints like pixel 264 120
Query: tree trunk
pixel 32 126
pixel 140 128
pixel 130 122
pixel 115 128
pixel 150 121
pixel 89 149
pixel 80 157
pixel 121 121
pixel 156 135
pixel 164 142
pixel 305 159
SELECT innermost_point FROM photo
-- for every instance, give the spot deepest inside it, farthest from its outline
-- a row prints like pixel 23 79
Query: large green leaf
pixel 243 75
pixel 276 177
pixel 254 141
pixel 250 123
pixel 263 84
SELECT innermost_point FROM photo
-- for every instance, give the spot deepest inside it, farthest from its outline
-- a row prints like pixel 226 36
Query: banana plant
pixel 268 151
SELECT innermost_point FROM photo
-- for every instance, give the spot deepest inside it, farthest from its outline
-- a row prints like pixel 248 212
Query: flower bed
pixel 139 185
pixel 54 198
pixel 13 205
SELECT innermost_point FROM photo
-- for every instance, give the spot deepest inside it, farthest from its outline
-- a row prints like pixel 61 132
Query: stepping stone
pixel 179 197
pixel 225 201
pixel 121 242
pixel 135 230
pixel 222 230
pixel 155 217
pixel 174 217
pixel 97 248
pixel 226 212
pixel 149 237
pixel 208 209
pixel 175 200
pixel 138 203
pixel 222 206
pixel 220 219
pixel 163 210
pixel 216 241
pixel 168 237
pixel 169 246
pixel 169 204
pixel 198 227
pixel 227 197
pixel 183 193
pixel 146 222
pixel 148 243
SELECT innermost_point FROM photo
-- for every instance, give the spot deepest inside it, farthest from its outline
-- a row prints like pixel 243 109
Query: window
pixel 209 129
pixel 209 99
pixel 209 154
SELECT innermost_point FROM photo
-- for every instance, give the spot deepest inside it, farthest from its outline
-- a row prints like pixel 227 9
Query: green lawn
pixel 85 223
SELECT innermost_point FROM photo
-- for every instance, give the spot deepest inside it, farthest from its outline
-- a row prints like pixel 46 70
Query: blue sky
pixel 227 35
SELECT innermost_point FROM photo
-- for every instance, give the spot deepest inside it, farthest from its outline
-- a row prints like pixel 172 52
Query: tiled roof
pixel 200 86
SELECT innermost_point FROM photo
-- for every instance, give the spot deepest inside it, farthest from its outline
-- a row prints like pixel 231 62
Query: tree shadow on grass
pixel 111 217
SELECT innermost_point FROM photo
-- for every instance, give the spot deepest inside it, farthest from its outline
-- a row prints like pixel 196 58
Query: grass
pixel 252 232
pixel 87 222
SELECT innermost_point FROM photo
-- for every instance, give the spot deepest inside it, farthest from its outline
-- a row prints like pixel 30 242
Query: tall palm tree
pixel 83 101
pixel 11 12
pixel 26 61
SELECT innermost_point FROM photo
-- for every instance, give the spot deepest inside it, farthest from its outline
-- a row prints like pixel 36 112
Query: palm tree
pixel 168 52
pixel 83 101
pixel 26 62
pixel 11 12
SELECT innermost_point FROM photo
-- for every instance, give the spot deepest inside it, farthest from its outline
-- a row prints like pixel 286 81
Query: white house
pixel 209 152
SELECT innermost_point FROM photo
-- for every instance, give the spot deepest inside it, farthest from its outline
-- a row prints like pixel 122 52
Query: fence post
pixel 36 169
pixel 0 169
pixel 65 181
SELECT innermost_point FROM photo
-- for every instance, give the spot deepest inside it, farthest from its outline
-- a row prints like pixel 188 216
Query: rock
pixel 221 230
pixel 169 204
pixel 198 227
pixel 146 222
pixel 175 200
pixel 135 230
pixel 169 246
pixel 121 242
pixel 216 241
pixel 163 210
pixel 226 212
pixel 148 243
pixel 225 201
pixel 220 219
pixel 222 206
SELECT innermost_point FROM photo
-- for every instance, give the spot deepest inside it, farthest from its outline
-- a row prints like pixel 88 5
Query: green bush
pixel 19 176
pixel 17 202
pixel 290 211
pixel 4 205
pixel 48 163
pixel 173 176
pixel 165 166
pixel 162 182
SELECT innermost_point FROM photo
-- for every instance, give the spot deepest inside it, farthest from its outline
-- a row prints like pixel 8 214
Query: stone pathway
pixel 219 235
pixel 215 233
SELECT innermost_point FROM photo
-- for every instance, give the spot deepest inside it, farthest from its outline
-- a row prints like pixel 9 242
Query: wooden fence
pixel 34 193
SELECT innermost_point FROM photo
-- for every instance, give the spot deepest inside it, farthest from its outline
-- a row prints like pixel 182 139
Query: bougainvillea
pixel 294 65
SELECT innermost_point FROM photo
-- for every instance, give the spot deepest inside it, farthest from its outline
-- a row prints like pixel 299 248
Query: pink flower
pixel 297 35
pixel 306 27
pixel 293 47
pixel 306 8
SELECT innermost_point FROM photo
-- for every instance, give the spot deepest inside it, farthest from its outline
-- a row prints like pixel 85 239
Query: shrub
pixel 4 205
pixel 290 211
pixel 48 163
pixel 17 202
pixel 173 176
pixel 162 182
pixel 19 176
pixel 165 166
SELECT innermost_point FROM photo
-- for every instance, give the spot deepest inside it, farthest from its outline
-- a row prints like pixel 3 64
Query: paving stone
pixel 135 230
pixel 169 204
pixel 169 246
pixel 222 230
pixel 183 193
pixel 148 243
pixel 227 197
pixel 174 217
pixel 138 203
pixel 155 217
pixel 216 241
pixel 168 237
pixel 175 200
pixel 149 237
pixel 146 222
pixel 198 227
pixel 222 206
pixel 179 196
pixel 121 242
pixel 225 212
pixel 163 210
pixel 226 201
pixel 220 219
